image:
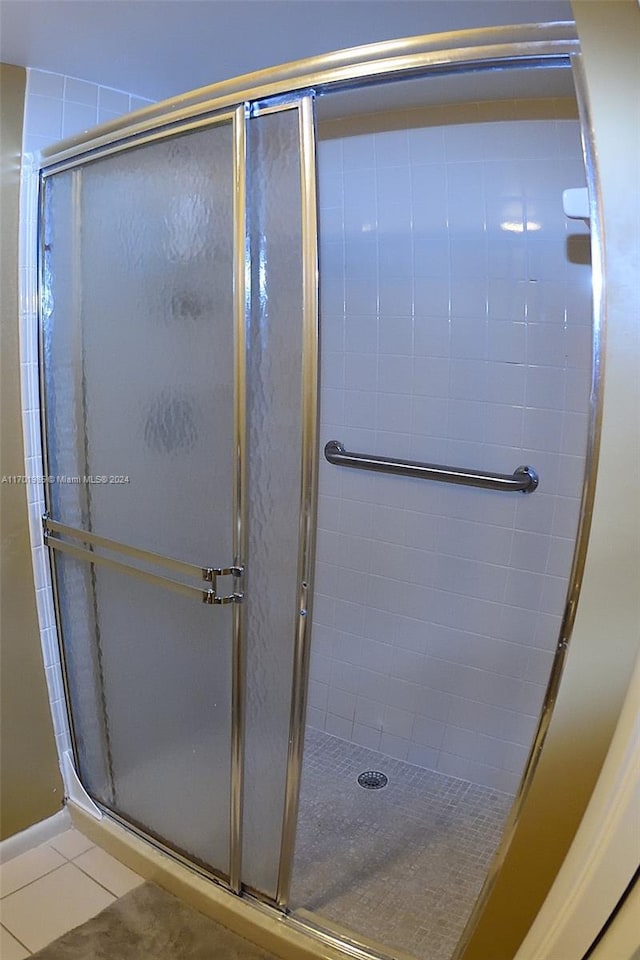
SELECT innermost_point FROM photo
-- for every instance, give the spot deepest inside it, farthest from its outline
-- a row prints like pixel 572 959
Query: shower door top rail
pixel 524 479
pixel 490 47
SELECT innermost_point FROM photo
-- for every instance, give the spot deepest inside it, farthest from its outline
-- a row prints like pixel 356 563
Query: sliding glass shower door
pixel 178 483
pixel 138 350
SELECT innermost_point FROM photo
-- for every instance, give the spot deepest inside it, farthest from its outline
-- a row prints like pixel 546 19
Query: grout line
pixel 72 859
pixel 17 939
pixel 116 896
pixel 35 879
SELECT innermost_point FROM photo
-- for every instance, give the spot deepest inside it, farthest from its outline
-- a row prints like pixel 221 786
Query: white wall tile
pixel 139 103
pixel 468 255
pixel 391 148
pixel 341 703
pixel 452 765
pixel 79 91
pixel 360 337
pixel 113 101
pixel 369 712
pixel 565 517
pixel 339 727
pixel 426 145
pixel 318 695
pixel 542 429
pixel 507 257
pixel 553 595
pixel 427 732
pixel 397 722
pixel 366 736
pixel 579 346
pixel 396 297
pixel 371 684
pixel 394 746
pixel 506 341
pixel 358 152
pixel 468 311
pixel 45 117
pixel 547 630
pixel 45 84
pixel 529 551
pixel 430 261
pixel 429 416
pixel 428 211
pixel 524 589
pixel 432 334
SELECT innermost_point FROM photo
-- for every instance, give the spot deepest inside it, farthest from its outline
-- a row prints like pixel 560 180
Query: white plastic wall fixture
pixel 74 789
pixel 575 203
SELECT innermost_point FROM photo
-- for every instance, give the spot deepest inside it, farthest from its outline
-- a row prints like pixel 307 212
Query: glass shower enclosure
pixel 180 384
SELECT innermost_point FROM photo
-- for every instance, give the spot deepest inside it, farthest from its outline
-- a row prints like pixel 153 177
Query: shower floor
pixel 402 865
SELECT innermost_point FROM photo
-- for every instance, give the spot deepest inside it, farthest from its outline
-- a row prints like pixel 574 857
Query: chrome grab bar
pixel 524 478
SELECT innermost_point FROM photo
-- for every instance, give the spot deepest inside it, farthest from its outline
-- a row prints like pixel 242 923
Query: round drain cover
pixel 372 780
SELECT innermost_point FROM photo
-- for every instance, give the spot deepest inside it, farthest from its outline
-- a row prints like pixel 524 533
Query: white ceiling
pixel 159 48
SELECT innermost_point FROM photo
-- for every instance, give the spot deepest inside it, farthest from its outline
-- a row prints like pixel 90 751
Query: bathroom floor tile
pixel 52 905
pixel 29 866
pixel 108 871
pixel 71 844
pixel 10 949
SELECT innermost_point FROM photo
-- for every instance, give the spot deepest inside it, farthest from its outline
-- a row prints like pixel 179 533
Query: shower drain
pixel 372 780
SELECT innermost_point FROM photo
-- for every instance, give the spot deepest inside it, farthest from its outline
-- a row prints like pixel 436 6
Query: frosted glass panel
pixel 63 350
pixel 138 345
pixel 138 352
pixel 163 668
pixel 274 448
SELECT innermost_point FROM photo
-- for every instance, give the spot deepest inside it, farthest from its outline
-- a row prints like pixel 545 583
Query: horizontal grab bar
pixel 524 479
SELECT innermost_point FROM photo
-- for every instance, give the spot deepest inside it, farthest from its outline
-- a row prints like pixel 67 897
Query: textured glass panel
pixel 139 345
pixel 274 450
pixel 61 315
pixel 164 677
pixel 455 328
pixel 66 455
pixel 138 350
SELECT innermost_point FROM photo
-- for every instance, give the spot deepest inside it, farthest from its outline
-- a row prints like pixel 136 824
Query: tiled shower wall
pixel 456 329
pixel 56 106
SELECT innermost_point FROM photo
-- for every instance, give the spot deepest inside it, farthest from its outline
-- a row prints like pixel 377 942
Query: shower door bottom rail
pixel 524 479
pixel 210 575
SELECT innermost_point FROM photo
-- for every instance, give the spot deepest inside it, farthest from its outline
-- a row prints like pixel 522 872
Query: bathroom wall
pixel 30 784
pixel 56 106
pixel 605 639
pixel 455 328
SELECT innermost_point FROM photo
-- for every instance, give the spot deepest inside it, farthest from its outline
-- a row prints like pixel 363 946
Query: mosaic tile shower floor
pixel 402 865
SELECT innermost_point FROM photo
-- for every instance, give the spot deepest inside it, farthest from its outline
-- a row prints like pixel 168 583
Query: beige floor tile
pixel 51 906
pixel 10 949
pixel 108 871
pixel 71 844
pixel 29 866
